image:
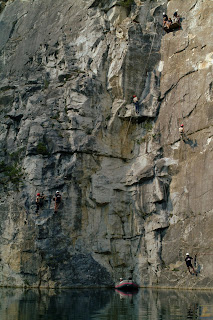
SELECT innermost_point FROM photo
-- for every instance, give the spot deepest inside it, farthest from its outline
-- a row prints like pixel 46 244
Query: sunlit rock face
pixel 135 198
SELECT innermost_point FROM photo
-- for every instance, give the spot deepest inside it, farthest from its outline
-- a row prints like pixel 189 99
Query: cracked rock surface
pixel 135 198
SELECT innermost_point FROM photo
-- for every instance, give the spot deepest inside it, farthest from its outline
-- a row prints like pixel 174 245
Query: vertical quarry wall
pixel 136 198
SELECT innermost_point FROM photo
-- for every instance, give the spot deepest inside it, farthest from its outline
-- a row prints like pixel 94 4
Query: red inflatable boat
pixel 126 285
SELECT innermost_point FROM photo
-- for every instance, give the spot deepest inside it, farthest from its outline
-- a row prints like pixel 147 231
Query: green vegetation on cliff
pixel 126 3
pixel 10 173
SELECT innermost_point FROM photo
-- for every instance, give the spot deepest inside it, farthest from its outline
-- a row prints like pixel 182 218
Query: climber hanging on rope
pixel 57 200
pixel 39 201
pixel 189 265
pixel 136 103
pixel 181 131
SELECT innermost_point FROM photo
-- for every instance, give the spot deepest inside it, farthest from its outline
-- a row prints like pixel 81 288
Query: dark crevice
pixel 204 128
pixel 189 114
pixel 194 48
pixel 14 25
pixel 193 6
pixel 95 153
pixel 133 237
pixel 183 48
pixel 13 28
pixel 101 4
pixel 174 85
pixel 190 134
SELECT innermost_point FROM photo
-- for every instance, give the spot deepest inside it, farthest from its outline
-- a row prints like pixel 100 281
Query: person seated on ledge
pixel 164 22
pixel 165 19
pixel 168 23
pixel 165 16
pixel 176 17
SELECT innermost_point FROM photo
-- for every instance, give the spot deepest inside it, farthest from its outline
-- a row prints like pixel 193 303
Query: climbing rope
pixel 150 51
pixel 181 117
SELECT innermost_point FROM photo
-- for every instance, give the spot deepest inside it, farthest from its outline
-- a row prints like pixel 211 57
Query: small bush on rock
pixel 42 149
pixel 126 3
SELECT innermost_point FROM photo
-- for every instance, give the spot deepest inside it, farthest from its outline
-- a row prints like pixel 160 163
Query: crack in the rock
pixel 91 153
pixel 189 114
pixel 132 237
pixel 193 5
pixel 174 85
pixel 194 48
pixel 181 50
pixel 201 195
pixel 207 127
pixel 188 135
pixel 14 24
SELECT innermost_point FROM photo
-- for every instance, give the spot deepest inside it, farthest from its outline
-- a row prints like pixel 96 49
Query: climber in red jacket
pixel 39 201
pixel 136 103
pixel 181 131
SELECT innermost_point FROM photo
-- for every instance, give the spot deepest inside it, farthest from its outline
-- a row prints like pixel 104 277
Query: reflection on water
pixel 105 304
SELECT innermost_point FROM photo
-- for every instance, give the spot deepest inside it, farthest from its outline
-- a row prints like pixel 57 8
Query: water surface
pixel 105 304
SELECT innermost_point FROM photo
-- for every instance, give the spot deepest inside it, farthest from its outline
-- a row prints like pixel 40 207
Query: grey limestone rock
pixel 135 197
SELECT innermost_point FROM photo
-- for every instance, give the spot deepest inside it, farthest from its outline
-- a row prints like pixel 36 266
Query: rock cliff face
pixel 136 198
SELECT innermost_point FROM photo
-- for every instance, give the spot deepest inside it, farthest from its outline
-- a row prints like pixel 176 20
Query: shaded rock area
pixel 135 197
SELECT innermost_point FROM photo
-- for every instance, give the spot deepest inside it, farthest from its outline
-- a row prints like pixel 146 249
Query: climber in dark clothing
pixel 136 103
pixel 57 200
pixel 176 17
pixel 165 19
pixel 39 201
pixel 189 265
pixel 165 16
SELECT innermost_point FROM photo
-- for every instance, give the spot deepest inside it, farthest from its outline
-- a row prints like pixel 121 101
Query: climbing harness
pixel 180 116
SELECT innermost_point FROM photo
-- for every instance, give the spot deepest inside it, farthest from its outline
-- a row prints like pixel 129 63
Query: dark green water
pixel 147 304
